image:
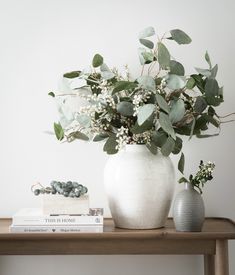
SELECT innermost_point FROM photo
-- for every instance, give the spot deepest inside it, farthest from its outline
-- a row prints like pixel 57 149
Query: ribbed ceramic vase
pixel 188 210
pixel 140 187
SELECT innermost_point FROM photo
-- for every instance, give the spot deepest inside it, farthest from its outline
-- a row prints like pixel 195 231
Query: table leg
pixel 209 265
pixel 221 258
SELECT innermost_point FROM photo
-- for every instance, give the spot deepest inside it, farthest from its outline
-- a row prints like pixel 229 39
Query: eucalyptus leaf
pixel 147 43
pixel 146 126
pixel 190 83
pixel 51 94
pixel 79 135
pixel 72 74
pixel 200 104
pixel 97 60
pixel 59 132
pixel 166 125
pixel 211 87
pixel 107 75
pixel 168 146
pixel 163 56
pixel 144 112
pixel 104 68
pixel 100 137
pixel 181 163
pixel 84 120
pixel 141 57
pixel 148 56
pixel 125 108
pixel 147 32
pixel 177 110
pixel 192 128
pixel 176 68
pixel 208 60
pixel 175 82
pixel 214 71
pixel 183 180
pixel 204 72
pixel 162 103
pixel 180 36
pixel 110 145
pixel 178 146
pixel 206 136
pixel 147 82
pixel 159 138
pixel 124 85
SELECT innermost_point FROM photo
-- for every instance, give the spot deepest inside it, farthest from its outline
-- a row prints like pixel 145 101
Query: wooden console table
pixel 212 242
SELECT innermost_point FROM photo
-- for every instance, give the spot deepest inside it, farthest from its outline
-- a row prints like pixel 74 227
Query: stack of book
pixel 33 220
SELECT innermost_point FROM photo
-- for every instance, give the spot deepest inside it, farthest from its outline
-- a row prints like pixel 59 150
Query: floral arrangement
pixel 67 189
pixel 154 109
pixel 203 175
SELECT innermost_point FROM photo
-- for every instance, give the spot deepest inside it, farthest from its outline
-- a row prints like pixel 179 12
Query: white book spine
pixel 57 220
pixel 56 229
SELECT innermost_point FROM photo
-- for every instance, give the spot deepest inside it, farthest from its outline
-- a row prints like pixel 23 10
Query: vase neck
pixel 188 186
pixel 136 148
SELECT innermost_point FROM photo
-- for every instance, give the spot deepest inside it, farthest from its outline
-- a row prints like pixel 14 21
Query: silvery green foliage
pixel 155 108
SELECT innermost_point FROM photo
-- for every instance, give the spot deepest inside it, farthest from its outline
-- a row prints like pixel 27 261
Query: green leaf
pixel 162 103
pixel 183 180
pixel 211 120
pixel 166 125
pixel 147 43
pixel 147 32
pixel 200 105
pixel 163 56
pixel 110 145
pixel 181 163
pixel 123 85
pixel 152 148
pixel 208 60
pixel 192 128
pixel 168 146
pixel 97 60
pixel 180 37
pixel 206 136
pixel 176 68
pixel 84 120
pixel 107 75
pixel 144 112
pixel 148 56
pixel 147 82
pixel 159 138
pixel 205 72
pixel 177 111
pixel 79 135
pixel 211 87
pixel 178 146
pixel 141 51
pixel 72 74
pixel 175 82
pixel 125 108
pixel 51 94
pixel 190 83
pixel 100 137
pixel 139 129
pixel 59 132
pixel 214 71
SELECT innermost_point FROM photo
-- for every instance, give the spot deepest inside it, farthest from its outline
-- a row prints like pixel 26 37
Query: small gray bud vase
pixel 188 210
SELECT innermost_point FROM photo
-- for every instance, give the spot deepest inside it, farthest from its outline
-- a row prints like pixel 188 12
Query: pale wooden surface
pixel 118 241
pixel 221 263
pixel 209 265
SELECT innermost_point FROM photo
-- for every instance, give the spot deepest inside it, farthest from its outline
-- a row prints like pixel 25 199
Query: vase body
pixel 140 187
pixel 188 210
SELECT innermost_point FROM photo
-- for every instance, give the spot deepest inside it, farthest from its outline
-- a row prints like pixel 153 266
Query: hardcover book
pixel 35 217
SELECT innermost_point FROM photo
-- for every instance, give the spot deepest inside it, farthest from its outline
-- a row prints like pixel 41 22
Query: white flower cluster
pixel 122 138
pixel 142 138
pixel 140 98
pixel 205 172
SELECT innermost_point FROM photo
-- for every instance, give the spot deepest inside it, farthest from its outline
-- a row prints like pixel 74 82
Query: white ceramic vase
pixel 140 187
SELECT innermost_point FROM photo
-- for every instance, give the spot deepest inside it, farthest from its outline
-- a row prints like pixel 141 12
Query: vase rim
pixel 135 148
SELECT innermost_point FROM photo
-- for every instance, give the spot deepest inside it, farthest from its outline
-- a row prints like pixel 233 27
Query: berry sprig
pixel 67 189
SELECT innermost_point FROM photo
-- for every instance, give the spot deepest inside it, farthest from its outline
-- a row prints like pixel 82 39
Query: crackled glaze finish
pixel 189 210
pixel 140 187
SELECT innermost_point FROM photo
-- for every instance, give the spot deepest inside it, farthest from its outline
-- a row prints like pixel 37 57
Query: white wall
pixel 39 40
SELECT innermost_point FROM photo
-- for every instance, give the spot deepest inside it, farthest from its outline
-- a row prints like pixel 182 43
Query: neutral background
pixel 39 40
